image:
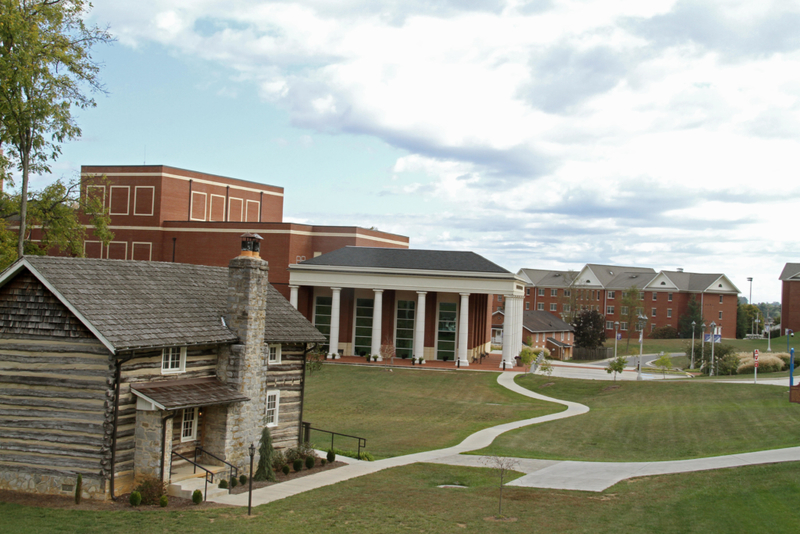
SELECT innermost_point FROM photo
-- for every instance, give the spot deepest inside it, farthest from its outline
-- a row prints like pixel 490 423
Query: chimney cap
pixel 251 244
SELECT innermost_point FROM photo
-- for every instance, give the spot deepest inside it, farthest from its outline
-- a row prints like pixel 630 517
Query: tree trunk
pixel 23 203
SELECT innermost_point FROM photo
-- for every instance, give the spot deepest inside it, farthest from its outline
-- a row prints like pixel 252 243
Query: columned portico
pixel 508 332
pixel 419 326
pixel 333 344
pixel 463 324
pixel 293 296
pixel 377 317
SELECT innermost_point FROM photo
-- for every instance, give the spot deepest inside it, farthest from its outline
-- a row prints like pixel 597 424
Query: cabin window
pixel 273 407
pixel 173 360
pixel 189 424
pixel 275 353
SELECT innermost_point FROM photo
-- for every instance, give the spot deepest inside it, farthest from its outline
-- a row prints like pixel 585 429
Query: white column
pixel 377 311
pixel 520 311
pixel 333 348
pixel 463 325
pixel 293 296
pixel 419 326
pixel 508 332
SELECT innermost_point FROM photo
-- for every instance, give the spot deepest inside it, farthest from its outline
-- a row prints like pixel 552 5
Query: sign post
pixel 755 369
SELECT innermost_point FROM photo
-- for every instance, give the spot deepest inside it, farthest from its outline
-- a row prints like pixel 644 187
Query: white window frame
pixel 540 306
pixel 609 310
pixel 609 325
pixel 669 313
pixel 274 412
pixel 553 307
pixel 540 292
pixel 554 292
pixel 653 312
pixel 274 348
pixel 111 199
pixel 211 207
pixel 168 352
pixel 192 216
pixel 108 248
pixel 720 298
pixel 623 326
pixel 247 209
pixel 193 421
pixel 567 292
pixel 527 306
pixel 527 292
pixel 720 315
pixel 669 297
pixel 149 246
pixel 611 294
pixel 655 296
pixel 152 200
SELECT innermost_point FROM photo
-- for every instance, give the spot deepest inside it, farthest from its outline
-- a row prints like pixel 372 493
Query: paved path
pixel 568 475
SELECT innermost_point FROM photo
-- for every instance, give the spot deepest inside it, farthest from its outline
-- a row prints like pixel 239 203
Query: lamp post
pixel 750 301
pixel 642 321
pixel 703 343
pixel 789 332
pixel 616 327
pixel 252 452
pixel 713 328
pixel 768 324
pixel 691 366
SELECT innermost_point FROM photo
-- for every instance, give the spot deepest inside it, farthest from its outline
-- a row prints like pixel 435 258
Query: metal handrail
pixel 196 465
pixel 362 442
pixel 234 471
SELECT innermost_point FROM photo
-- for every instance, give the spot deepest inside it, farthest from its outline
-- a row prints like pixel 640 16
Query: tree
pixel 631 307
pixel 45 62
pixel 745 319
pixel 616 365
pixel 693 313
pixel 664 362
pixel 56 213
pixel 266 455
pixel 590 329
pixel 503 465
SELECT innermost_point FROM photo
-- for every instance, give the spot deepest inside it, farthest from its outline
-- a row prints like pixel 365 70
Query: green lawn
pixel 402 500
pixel 654 346
pixel 655 420
pixel 408 411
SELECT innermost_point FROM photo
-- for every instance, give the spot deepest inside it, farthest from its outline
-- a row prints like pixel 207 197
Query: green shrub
pixel 702 360
pixel 728 365
pixel 78 489
pixel 285 469
pixel 266 459
pixel 233 482
pixel 135 498
pixel 163 501
pixel 223 484
pixel 364 455
pixel 331 456
pixel 151 489
pixel 310 461
pixel 322 462
pixel 242 479
pixel 664 332
pixel 197 497
pixel 298 464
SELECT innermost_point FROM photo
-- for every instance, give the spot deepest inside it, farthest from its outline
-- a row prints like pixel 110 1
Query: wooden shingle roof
pixel 141 304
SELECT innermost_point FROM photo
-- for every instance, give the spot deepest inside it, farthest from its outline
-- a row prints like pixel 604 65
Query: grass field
pixel 655 420
pixel 402 500
pixel 408 411
pixel 654 346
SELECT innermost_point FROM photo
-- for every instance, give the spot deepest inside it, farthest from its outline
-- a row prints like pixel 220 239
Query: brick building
pixel 664 295
pixel 163 213
pixel 790 297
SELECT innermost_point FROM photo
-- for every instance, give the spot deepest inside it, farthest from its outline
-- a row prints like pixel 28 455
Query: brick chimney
pixel 243 366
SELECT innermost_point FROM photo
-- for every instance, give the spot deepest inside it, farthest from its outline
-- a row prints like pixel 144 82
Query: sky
pixel 540 134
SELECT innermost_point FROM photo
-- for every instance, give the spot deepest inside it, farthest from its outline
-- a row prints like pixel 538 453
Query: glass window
pixel 527 305
pixel 567 292
pixel 609 310
pixel 275 353
pixel 720 299
pixel 655 295
pixel 541 292
pixel 641 295
pixel 404 329
pixel 273 407
pixel 566 307
pixel 363 326
pixel 173 360
pixel 553 307
pixel 189 424
pixel 554 292
pixel 669 297
pixel 669 312
pixel 623 310
pixel 653 312
pixel 527 292
pixel 322 318
pixel 623 326
pixel 609 325
pixel 611 294
pixel 540 306
pixel 446 339
pixel 720 316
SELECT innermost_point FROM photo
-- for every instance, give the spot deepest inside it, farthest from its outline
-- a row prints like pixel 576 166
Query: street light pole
pixel 692 364
pixel 642 321
pixel 768 324
pixel 713 328
pixel 252 452
pixel 750 301
pixel 616 327
pixel 703 343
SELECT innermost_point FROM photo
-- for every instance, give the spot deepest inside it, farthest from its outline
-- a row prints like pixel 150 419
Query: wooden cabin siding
pixel 56 411
pixel 287 377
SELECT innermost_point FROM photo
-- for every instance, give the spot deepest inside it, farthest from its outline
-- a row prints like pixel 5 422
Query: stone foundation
pixel 148 436
pixel 93 488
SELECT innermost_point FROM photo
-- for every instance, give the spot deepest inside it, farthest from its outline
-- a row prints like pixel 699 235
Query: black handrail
pixel 196 465
pixel 362 442
pixel 233 471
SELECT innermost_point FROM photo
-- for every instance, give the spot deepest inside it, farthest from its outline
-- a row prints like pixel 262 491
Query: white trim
pixel 88 241
pixel 194 421
pixel 181 361
pixel 14 269
pixel 149 244
pixel 108 248
pixel 230 201
pixel 187 179
pixel 111 199
pixel 191 206
pixel 247 209
pixel 152 200
pixel 277 347
pixel 277 394
pixel 144 397
pixel 211 207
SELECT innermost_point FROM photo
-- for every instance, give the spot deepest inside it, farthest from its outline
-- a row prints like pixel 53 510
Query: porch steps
pixel 184 481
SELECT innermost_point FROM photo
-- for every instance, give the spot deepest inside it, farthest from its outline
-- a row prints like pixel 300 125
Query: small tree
pixel 664 362
pixel 266 453
pixel 503 465
pixel 79 489
pixel 616 365
pixel 546 367
pixel 693 313
pixel 388 352
pixel 590 329
pixel 527 357
pixel 630 307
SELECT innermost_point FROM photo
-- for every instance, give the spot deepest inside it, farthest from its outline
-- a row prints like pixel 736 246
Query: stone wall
pixel 148 439
pixel 93 487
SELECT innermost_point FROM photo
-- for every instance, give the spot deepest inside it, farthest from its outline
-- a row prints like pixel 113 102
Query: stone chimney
pixel 243 366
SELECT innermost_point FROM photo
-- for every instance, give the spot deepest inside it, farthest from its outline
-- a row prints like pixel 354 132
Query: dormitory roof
pixel 142 304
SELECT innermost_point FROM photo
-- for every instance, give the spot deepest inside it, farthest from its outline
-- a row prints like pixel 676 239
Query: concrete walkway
pixel 568 475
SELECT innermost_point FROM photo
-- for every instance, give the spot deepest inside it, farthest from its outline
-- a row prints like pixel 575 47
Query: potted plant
pixel 422 361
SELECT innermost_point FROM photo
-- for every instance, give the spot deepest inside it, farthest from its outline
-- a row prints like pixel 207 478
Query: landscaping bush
pixel 151 489
pixel 233 482
pixel 163 501
pixel 78 489
pixel 787 359
pixel 242 479
pixel 767 363
pixel 135 499
pixel 703 361
pixel 223 484
pixel 266 458
pixel 664 332
pixel 285 469
pixel 728 365
pixel 297 465
pixel 310 461
pixel 197 497
pixel 322 462
pixel 364 455
pixel 331 456
pixel 278 461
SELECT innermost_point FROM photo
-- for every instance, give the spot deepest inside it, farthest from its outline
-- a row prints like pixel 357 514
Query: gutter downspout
pixel 164 441
pixel 117 382
pixel 302 397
